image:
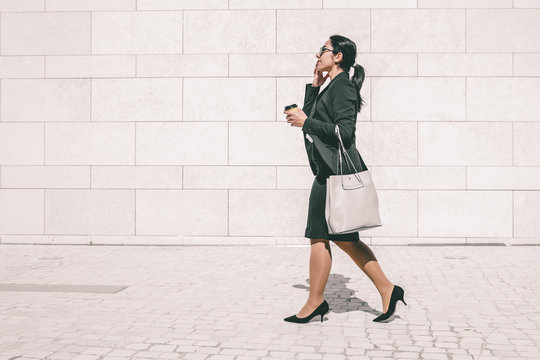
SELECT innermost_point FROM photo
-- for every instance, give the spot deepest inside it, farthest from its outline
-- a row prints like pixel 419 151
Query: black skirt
pixel 316 221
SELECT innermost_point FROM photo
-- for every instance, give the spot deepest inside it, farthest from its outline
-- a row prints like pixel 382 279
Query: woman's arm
pixel 309 97
pixel 343 99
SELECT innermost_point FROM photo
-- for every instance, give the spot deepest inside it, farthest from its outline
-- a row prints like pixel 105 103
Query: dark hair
pixel 348 48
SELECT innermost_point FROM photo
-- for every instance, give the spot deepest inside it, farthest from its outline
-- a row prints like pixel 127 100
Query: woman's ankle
pixel 387 289
pixel 315 302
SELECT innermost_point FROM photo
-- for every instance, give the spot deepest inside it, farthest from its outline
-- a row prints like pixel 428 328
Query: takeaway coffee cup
pixel 292 107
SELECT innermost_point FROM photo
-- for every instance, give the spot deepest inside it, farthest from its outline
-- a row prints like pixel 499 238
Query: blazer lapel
pixel 324 91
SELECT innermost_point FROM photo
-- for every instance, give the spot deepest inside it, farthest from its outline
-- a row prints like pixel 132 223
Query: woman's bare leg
pixel 320 262
pixel 366 260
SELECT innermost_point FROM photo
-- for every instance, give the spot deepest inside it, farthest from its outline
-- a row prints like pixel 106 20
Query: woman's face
pixel 327 59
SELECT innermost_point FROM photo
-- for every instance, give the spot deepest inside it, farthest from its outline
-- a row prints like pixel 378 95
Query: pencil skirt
pixel 317 227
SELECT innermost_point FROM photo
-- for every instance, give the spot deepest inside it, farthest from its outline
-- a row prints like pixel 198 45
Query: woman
pixel 338 104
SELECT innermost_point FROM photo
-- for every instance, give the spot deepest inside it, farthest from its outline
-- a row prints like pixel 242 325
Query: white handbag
pixel 351 200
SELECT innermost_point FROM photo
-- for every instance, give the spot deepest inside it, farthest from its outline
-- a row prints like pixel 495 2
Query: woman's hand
pixel 296 118
pixel 318 78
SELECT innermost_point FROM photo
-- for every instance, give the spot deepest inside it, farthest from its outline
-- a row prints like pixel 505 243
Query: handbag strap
pixel 346 153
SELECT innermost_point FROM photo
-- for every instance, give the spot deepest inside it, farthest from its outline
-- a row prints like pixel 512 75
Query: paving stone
pixel 228 302
pixel 435 356
pixel 87 357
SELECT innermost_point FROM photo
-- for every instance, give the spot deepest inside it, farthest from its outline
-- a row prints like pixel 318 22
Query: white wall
pixel 160 121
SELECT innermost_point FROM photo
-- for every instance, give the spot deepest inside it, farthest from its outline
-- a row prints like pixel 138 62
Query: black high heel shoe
pixel 320 310
pixel 397 294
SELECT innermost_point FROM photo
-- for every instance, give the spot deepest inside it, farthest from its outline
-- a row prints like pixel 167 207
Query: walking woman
pixel 338 104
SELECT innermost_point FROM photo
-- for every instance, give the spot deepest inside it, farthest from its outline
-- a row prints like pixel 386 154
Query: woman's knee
pixel 347 246
pixel 325 241
pixel 321 244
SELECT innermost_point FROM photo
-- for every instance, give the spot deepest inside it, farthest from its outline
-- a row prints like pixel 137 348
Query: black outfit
pixel 336 104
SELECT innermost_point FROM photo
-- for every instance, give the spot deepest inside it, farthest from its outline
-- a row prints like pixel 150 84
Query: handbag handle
pixel 346 153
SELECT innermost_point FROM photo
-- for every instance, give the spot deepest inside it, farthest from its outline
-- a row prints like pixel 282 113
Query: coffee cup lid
pixel 290 106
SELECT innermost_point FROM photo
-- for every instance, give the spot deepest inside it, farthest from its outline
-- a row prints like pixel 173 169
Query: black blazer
pixel 336 104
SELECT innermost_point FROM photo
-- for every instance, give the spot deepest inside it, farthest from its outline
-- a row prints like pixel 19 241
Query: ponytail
pixel 357 80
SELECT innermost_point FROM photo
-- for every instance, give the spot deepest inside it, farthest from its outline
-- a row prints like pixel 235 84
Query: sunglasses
pixel 323 49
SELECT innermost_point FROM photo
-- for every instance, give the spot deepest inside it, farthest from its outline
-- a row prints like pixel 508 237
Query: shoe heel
pixel 324 312
pixel 401 297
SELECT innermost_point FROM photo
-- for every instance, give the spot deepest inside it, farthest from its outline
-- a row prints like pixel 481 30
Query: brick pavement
pixel 228 302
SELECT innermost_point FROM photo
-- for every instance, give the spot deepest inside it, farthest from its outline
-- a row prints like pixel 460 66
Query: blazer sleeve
pixel 343 99
pixel 309 97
